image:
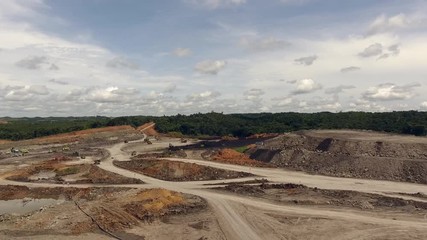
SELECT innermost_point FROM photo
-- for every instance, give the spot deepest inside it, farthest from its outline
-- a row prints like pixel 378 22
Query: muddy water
pixel 23 206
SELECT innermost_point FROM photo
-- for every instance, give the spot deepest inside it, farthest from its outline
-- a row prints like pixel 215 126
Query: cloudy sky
pixel 163 57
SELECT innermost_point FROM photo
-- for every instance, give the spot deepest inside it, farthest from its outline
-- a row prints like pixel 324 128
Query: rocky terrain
pixel 355 154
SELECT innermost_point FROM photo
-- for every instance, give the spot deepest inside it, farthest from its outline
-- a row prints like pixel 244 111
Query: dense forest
pixel 218 124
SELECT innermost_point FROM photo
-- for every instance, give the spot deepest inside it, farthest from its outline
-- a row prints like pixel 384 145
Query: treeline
pixel 27 128
pixel 218 124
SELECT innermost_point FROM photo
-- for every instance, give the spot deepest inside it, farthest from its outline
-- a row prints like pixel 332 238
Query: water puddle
pixel 26 205
pixel 43 175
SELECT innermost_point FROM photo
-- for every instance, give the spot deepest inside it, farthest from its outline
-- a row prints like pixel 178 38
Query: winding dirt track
pixel 234 225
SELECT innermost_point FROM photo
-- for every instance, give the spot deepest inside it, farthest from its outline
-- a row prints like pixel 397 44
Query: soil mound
pixel 177 171
pixel 349 154
pixel 231 156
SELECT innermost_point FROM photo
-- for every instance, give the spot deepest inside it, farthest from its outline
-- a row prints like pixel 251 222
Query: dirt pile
pixel 124 212
pixel 231 156
pixel 349 154
pixel 177 171
pixel 302 195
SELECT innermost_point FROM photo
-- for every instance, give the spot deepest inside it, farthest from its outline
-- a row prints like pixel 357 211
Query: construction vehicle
pixel 66 149
pixel 147 141
pixel 15 152
pixel 183 140
pixel 97 162
pixel 133 153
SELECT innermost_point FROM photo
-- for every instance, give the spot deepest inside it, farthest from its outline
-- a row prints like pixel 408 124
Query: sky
pixel 164 57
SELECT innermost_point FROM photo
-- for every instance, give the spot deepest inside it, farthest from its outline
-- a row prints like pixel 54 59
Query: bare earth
pixel 315 207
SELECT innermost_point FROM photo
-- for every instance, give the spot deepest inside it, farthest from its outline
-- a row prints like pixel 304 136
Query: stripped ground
pixel 177 171
pixel 57 171
pixel 325 208
pixel 86 210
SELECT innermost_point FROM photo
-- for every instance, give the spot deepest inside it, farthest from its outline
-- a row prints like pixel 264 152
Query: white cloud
pixel 182 52
pixel 203 96
pixel 109 95
pixel 390 91
pixel 210 67
pixel 23 93
pixel 307 61
pixel 253 94
pixel 424 105
pixel 365 105
pixel 263 44
pixel 19 8
pixel 305 86
pixel 385 24
pixel 282 102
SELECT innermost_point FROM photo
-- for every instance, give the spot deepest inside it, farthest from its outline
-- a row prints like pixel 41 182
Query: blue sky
pixel 129 57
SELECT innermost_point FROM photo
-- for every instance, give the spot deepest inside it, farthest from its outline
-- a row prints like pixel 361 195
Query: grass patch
pixel 241 149
pixel 67 171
